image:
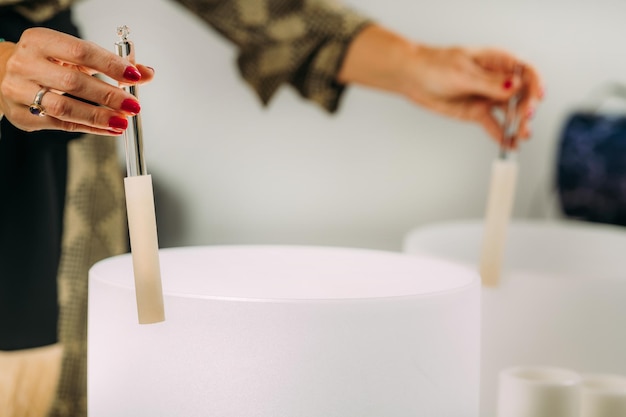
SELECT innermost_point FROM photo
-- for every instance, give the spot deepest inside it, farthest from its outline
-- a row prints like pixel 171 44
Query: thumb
pixel 496 86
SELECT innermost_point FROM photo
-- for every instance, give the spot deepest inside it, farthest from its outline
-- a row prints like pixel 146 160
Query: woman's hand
pixel 65 65
pixel 472 84
pixel 463 83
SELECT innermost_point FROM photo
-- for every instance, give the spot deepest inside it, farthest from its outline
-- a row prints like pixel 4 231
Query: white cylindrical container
pixel 538 392
pixel 270 331
pixel 603 395
pixel 561 299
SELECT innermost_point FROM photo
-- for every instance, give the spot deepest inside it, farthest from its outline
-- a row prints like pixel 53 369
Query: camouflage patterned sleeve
pixel 299 42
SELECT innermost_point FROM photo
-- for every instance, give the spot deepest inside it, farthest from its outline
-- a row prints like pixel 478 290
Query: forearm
pixel 378 58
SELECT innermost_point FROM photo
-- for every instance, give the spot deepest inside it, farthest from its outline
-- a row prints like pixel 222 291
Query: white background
pixel 227 170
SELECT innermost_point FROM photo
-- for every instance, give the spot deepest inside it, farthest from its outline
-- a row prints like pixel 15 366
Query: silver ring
pixel 36 109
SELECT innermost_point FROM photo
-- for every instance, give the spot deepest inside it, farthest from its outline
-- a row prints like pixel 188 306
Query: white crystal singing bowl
pixel 267 331
pixel 561 300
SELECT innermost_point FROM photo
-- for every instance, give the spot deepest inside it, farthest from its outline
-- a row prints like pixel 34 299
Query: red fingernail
pixel 530 113
pixel 507 84
pixel 117 122
pixel 131 73
pixel 131 106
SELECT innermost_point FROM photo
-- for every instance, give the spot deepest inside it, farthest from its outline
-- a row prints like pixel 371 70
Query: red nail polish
pixel 117 122
pixel 131 106
pixel 507 84
pixel 530 113
pixel 131 73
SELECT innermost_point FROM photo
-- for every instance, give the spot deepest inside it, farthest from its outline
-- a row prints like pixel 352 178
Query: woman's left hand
pixel 472 84
pixel 463 83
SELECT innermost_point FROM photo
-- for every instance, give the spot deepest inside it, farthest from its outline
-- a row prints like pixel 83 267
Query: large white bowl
pixel 273 331
pixel 561 300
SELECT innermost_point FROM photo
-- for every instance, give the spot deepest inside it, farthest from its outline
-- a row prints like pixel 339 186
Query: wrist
pixel 6 50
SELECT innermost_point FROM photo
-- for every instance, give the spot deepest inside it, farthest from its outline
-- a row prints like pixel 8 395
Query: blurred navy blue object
pixel 591 168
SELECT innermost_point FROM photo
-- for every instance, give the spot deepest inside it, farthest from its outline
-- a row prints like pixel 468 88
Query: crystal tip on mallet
pixel 123 32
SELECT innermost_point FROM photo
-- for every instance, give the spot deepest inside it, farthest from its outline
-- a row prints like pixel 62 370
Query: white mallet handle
pixel 499 207
pixel 144 248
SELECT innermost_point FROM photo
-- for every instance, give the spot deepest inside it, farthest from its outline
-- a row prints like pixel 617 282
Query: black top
pixel 33 171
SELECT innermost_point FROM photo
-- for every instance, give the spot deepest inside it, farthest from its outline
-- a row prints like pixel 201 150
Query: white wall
pixel 230 171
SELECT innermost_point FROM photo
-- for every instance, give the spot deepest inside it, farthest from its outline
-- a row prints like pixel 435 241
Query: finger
pixel 524 131
pixel 532 91
pixel 497 60
pixel 479 111
pixel 68 110
pixel 506 63
pixel 67 48
pixel 492 126
pixel 533 82
pixel 496 73
pixel 76 127
pixel 495 86
pixel 81 85
pixel 530 94
pixel 147 73
pixel 26 121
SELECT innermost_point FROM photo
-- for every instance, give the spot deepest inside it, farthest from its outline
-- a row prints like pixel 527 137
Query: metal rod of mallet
pixel 140 210
pixel 500 200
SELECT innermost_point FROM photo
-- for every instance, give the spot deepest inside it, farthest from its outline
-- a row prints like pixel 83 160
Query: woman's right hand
pixel 64 64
